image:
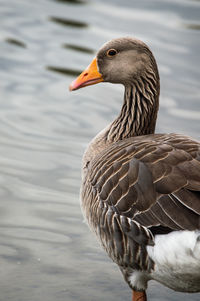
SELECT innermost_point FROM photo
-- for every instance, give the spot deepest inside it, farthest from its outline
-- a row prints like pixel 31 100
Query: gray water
pixel 46 251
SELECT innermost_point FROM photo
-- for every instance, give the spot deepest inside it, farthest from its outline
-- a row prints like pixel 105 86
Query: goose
pixel 140 191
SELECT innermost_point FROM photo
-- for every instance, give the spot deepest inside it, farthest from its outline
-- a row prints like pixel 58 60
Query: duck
pixel 140 191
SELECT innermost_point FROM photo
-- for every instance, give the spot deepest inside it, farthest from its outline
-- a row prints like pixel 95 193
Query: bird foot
pixel 139 296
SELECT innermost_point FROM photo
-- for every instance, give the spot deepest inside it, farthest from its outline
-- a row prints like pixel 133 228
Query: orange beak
pixel 89 76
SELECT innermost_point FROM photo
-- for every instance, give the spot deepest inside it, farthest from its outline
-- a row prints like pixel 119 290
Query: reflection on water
pixel 68 22
pixel 192 26
pixel 64 71
pixel 46 251
pixel 15 42
pixel 79 48
pixel 72 1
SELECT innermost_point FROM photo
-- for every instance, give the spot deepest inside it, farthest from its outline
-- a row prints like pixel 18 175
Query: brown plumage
pixel 138 185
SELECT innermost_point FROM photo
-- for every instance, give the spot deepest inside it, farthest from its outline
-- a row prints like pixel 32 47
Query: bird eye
pixel 111 52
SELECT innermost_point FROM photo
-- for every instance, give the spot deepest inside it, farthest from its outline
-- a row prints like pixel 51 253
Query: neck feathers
pixel 139 111
pixel 137 117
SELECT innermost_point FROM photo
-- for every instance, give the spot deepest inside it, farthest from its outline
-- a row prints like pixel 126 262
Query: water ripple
pixel 72 1
pixel 36 234
pixel 79 48
pixel 64 71
pixel 192 26
pixel 68 22
pixel 15 42
pixel 13 253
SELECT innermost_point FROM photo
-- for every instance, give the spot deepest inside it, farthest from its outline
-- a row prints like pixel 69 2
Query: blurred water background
pixel 46 251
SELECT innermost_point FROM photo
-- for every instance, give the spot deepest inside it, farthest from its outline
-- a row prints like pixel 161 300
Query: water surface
pixel 46 251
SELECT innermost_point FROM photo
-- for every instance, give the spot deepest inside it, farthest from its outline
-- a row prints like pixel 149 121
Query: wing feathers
pixel 182 216
pixel 190 199
pixel 133 174
pixel 139 183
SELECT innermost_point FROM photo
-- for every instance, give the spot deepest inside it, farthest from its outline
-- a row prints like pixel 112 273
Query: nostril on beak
pixel 85 74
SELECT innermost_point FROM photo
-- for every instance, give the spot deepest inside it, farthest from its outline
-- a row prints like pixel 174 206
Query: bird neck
pixel 137 117
pixel 139 111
